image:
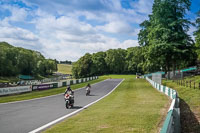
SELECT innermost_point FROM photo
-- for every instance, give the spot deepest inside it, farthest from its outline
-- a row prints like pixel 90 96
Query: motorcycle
pixel 69 100
pixel 87 91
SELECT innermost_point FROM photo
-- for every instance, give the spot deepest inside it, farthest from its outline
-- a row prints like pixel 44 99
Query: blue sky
pixel 67 29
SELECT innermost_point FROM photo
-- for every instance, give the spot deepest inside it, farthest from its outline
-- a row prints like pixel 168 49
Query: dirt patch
pixel 163 114
pixel 196 111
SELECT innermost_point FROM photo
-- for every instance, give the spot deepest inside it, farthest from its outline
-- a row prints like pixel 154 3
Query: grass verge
pixel 65 68
pixel 38 94
pixel 189 106
pixel 133 107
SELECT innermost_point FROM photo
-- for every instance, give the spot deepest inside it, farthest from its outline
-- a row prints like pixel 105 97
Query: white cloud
pixel 143 6
pixel 17 14
pixel 60 34
pixel 15 34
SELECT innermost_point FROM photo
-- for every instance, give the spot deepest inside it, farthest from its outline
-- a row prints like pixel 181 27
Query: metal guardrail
pixel 172 121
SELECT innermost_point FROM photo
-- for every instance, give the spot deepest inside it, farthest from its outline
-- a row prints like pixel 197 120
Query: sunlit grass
pixel 65 68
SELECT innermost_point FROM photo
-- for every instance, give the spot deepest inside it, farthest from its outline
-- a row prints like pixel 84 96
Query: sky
pixel 67 29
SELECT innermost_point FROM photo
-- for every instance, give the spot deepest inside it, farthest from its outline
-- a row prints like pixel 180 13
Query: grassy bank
pixel 189 105
pixel 65 68
pixel 37 94
pixel 133 107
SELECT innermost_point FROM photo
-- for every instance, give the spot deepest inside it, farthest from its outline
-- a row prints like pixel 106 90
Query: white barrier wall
pixel 74 81
pixel 68 82
pixel 59 84
pixel 12 90
pixel 172 121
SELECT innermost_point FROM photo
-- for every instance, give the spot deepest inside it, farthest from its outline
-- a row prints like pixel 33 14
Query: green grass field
pixel 189 105
pixel 133 107
pixel 65 68
pixel 38 94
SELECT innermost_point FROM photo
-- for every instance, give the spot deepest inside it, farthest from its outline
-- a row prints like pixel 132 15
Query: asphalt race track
pixel 26 116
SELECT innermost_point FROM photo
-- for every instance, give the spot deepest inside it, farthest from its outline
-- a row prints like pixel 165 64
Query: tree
pixel 165 33
pixel 115 60
pixel 99 66
pixel 134 60
pixel 197 35
pixel 16 60
pixel 82 68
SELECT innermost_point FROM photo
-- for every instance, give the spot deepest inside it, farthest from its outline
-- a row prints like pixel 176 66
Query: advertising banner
pixel 13 90
pixel 42 87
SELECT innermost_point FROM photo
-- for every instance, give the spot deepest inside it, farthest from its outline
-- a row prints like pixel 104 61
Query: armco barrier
pixel 172 121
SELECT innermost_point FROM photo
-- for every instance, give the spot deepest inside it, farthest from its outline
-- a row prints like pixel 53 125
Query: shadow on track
pixel 92 95
pixel 77 107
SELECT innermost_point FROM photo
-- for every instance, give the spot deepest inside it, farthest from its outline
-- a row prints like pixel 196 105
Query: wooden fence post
pixel 199 85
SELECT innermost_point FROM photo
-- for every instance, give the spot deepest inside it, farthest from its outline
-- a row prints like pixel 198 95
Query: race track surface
pixel 26 116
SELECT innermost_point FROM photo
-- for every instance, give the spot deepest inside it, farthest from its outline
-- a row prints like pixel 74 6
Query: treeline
pixel 65 62
pixel 16 60
pixel 113 61
pixel 164 45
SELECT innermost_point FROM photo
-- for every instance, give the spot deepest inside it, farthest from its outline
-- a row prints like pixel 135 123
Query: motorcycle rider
pixel 88 87
pixel 70 94
pixel 68 90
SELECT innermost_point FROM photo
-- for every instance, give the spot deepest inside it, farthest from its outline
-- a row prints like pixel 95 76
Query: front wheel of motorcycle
pixel 67 104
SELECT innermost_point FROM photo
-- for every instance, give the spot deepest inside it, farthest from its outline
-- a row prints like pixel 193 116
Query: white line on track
pixel 68 115
pixel 45 96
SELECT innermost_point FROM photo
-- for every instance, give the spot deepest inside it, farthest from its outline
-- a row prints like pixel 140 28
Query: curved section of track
pixel 26 116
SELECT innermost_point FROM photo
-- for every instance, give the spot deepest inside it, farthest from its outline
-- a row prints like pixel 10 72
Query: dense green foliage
pixel 165 35
pixel 15 61
pixel 113 61
pixel 197 35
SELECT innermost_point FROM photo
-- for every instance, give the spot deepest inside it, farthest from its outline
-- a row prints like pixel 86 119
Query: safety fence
pixel 28 88
pixel 172 121
pixel 188 83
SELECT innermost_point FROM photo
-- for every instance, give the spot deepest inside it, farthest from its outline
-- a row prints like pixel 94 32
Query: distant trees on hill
pixel 65 62
pixel 113 61
pixel 15 61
